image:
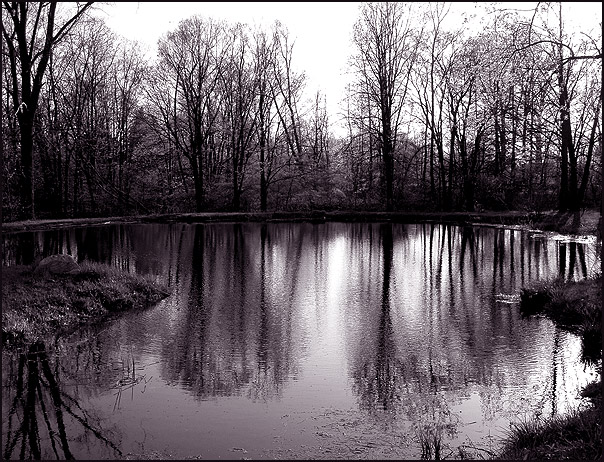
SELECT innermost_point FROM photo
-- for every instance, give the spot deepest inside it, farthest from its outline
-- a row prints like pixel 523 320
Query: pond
pixel 295 340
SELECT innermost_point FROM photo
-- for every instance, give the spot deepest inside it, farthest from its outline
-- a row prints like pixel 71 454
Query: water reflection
pixel 414 326
pixel 228 334
pixel 42 418
pixel 378 375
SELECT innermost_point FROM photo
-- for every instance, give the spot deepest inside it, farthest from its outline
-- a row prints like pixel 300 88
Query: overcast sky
pixel 322 30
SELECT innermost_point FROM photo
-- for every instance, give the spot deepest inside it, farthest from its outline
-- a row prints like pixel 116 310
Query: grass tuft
pixel 573 306
pixel 576 435
pixel 35 307
pixel 576 307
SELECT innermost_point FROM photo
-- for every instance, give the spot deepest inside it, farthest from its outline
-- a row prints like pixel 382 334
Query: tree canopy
pixel 439 116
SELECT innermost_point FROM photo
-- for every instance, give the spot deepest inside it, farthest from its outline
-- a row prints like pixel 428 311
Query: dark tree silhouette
pixel 386 53
pixel 29 54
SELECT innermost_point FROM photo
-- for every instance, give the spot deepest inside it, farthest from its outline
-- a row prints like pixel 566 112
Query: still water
pixel 293 340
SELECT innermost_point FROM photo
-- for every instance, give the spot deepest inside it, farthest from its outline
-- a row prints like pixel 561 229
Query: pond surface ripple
pixel 295 340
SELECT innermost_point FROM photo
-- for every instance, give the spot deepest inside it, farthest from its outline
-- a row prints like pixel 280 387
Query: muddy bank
pixel 584 222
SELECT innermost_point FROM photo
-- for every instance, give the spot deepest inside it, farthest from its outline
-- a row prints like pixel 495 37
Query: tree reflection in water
pixel 412 323
pixel 437 338
pixel 42 413
pixel 378 379
pixel 389 383
pixel 233 337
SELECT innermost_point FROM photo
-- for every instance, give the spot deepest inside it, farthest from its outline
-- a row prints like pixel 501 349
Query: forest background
pixel 436 116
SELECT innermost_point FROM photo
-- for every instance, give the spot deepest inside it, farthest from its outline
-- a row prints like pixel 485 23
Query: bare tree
pixel 430 80
pixel 240 92
pixel 31 34
pixel 568 65
pixel 468 116
pixel 126 83
pixel 386 50
pixel 264 56
pixel 191 64
pixel 319 132
pixel 287 89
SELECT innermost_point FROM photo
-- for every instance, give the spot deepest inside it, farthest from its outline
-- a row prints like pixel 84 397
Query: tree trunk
pixel 590 150
pixel 263 179
pixel 27 96
pixel 565 129
pixel 198 182
pixel 236 191
pixel 26 189
pixel 497 169
pixel 387 154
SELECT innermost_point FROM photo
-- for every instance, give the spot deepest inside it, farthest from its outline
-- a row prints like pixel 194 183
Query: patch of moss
pixel 36 307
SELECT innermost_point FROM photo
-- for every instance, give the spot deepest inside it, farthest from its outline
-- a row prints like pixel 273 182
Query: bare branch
pixel 70 23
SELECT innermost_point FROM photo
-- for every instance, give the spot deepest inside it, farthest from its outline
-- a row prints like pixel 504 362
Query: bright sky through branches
pixel 322 30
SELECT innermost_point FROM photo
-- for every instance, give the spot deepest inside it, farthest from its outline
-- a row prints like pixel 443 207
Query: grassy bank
pixel 574 436
pixel 576 307
pixel 573 306
pixel 35 307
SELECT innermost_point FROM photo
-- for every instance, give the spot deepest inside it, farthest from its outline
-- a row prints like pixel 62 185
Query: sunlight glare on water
pixel 297 340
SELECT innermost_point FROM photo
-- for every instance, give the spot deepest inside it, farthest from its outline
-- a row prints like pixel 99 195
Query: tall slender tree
pixel 192 61
pixel 386 50
pixel 239 87
pixel 31 32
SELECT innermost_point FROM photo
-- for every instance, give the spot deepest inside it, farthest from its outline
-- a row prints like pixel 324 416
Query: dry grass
pixel 577 307
pixel 36 307
pixel 573 306
pixel 575 436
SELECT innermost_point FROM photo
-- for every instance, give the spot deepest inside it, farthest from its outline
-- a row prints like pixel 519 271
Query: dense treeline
pixel 439 118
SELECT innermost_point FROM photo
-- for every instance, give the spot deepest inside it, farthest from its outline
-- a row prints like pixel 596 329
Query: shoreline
pixel 574 307
pixel 40 307
pixel 585 222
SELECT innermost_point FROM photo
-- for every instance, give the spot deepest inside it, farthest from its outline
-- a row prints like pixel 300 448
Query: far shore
pixel 584 222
